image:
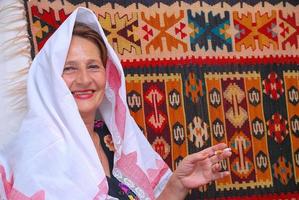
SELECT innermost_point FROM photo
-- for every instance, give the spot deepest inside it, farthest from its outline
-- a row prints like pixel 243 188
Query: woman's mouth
pixel 83 94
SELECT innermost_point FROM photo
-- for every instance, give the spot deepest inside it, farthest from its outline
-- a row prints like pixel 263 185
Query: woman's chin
pixel 87 112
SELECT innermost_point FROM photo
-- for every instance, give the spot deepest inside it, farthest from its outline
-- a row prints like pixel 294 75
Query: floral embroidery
pixel 109 142
pixel 126 190
pixel 98 123
pixel 138 191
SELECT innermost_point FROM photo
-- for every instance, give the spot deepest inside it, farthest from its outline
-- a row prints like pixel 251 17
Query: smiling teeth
pixel 82 93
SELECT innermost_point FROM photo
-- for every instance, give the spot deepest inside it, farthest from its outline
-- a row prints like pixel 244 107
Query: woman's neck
pixel 89 122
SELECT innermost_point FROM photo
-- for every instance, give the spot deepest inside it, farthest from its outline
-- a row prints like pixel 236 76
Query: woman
pixel 58 154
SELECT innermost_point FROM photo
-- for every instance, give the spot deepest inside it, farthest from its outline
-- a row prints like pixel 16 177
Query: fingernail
pixel 218 152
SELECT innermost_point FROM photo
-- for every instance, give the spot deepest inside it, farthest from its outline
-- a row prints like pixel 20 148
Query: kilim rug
pixel 203 72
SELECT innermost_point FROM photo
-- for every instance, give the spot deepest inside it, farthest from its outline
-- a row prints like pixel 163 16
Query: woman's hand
pixel 196 170
pixel 202 167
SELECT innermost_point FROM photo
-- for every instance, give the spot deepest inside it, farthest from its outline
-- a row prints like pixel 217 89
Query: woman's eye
pixel 94 67
pixel 69 69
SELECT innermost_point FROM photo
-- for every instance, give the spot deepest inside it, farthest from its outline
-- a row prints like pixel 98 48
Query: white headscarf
pixel 53 156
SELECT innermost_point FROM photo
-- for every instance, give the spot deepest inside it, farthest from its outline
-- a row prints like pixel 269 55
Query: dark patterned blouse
pixel 116 188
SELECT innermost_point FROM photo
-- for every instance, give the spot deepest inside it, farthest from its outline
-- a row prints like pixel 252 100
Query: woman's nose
pixel 83 77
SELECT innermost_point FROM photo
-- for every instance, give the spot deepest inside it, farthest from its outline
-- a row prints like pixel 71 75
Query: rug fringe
pixel 15 49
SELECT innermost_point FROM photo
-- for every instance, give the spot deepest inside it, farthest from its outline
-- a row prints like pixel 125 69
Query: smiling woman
pixel 84 73
pixel 63 152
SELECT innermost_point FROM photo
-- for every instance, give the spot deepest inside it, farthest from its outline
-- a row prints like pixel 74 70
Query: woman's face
pixel 84 74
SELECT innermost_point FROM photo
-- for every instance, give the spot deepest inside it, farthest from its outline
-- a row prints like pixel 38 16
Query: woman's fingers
pixel 211 150
pixel 220 155
pixel 216 167
pixel 195 157
pixel 219 175
pixel 215 153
